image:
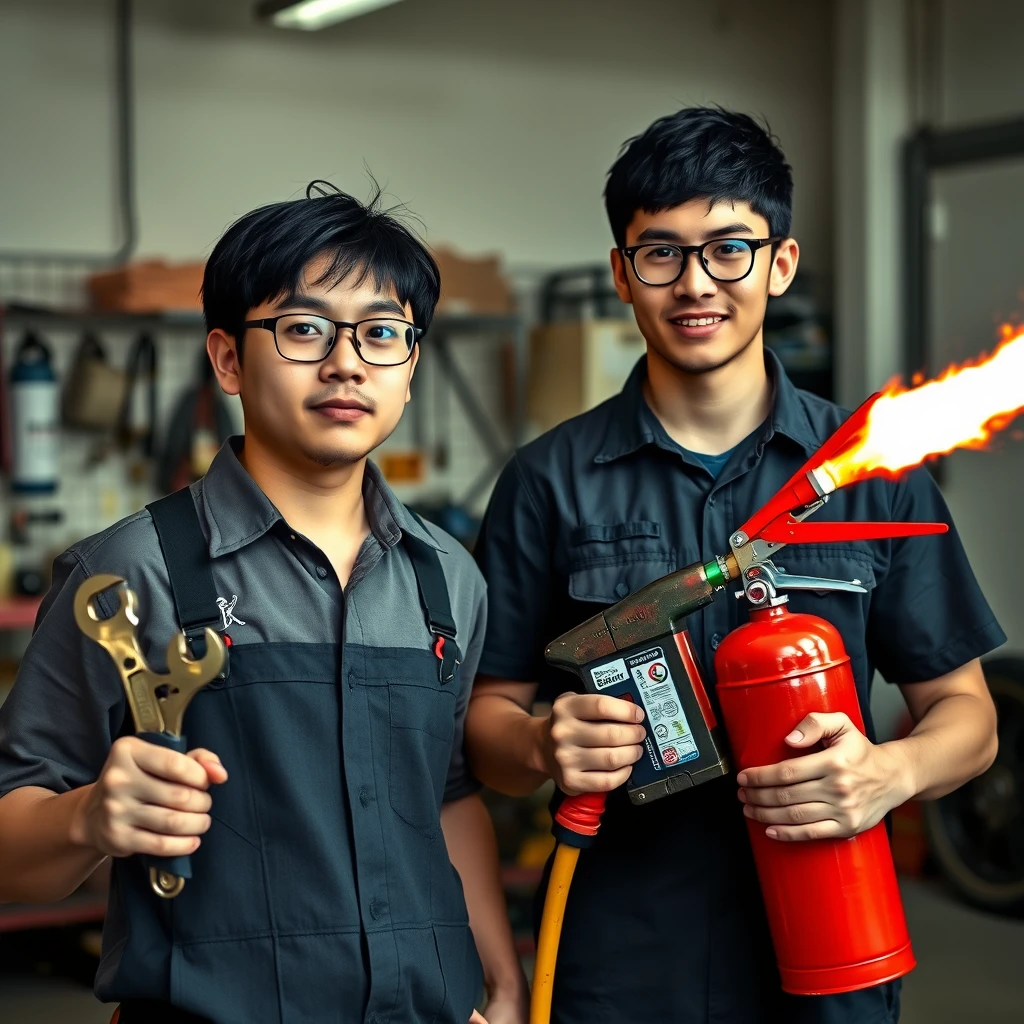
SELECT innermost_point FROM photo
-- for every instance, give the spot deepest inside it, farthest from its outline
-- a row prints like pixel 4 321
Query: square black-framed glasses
pixel 721 266
pixel 359 337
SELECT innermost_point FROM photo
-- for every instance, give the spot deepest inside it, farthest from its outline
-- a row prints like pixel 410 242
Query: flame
pixel 962 408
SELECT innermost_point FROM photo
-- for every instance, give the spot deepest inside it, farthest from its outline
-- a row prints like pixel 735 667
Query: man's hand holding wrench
pixel 151 797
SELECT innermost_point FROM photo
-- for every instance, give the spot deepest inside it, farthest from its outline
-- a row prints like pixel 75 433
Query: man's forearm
pixel 473 849
pixel 42 859
pixel 505 745
pixel 954 742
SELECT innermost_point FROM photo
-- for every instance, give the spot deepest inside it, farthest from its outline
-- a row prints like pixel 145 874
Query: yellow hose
pixel 550 932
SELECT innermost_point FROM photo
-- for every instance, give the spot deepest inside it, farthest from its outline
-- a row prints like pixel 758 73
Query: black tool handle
pixel 180 867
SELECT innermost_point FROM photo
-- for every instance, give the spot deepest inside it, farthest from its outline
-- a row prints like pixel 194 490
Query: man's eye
pixel 304 330
pixel 381 332
pixel 730 249
pixel 663 252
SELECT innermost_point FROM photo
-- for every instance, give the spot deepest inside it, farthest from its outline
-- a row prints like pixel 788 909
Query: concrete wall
pixel 495 122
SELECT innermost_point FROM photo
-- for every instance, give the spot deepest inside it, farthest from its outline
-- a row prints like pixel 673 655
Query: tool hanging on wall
pixel 136 422
pixel 833 905
pixel 35 419
pixel 94 389
pixel 200 423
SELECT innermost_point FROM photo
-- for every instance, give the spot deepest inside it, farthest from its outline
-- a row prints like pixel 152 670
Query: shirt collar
pixel 629 425
pixel 237 512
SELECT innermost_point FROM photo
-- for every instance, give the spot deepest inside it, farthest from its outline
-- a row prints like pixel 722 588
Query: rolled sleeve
pixel 460 782
pixel 928 614
pixel 66 706
pixel 513 552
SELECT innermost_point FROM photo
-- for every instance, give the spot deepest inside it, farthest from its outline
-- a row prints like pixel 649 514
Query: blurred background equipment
pixel 34 418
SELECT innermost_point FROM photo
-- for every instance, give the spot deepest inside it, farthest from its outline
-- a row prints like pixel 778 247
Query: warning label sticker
pixel 666 721
pixel 608 675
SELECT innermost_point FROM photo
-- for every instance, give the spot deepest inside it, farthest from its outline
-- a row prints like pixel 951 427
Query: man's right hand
pixel 149 800
pixel 592 742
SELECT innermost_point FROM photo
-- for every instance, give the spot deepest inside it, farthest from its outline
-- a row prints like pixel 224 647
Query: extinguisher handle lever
pixel 759 578
pixel 782 580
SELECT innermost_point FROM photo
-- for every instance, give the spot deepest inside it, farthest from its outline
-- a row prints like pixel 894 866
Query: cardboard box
pixel 149 286
pixel 577 365
pixel 471 286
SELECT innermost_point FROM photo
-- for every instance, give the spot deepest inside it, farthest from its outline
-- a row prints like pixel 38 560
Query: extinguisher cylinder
pixel 833 905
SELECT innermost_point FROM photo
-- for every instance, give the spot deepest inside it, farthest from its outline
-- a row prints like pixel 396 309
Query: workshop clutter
pixel 148 286
pixel 577 364
pixel 471 285
pixel 85 429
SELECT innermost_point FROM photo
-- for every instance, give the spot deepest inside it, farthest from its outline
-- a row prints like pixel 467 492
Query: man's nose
pixel 694 282
pixel 343 362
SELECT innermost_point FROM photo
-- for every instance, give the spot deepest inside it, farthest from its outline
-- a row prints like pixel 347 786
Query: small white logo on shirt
pixel 227 609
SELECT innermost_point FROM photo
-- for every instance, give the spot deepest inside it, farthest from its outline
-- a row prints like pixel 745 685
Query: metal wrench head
pixel 186 676
pixel 121 624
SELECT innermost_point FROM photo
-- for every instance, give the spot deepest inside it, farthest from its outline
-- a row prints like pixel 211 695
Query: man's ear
pixel 619 273
pixel 784 262
pixel 222 349
pixel 414 360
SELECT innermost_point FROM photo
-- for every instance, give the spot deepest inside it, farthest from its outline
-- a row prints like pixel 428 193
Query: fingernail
pixel 742 778
pixel 748 810
pixel 771 833
pixel 639 715
pixel 795 736
pixel 742 795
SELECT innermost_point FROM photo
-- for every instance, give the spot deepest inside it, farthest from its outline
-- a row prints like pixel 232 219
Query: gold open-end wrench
pixel 157 700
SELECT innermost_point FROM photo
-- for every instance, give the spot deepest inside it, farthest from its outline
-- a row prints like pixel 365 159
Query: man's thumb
pixel 818 726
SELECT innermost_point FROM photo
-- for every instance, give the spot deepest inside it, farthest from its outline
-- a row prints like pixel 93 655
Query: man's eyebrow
pixel 656 234
pixel 297 300
pixel 384 306
pixel 313 304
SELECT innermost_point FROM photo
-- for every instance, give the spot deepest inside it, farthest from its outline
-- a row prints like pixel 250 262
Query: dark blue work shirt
pixel 665 921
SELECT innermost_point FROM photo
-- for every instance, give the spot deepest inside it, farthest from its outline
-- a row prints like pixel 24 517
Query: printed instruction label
pixel 610 674
pixel 666 722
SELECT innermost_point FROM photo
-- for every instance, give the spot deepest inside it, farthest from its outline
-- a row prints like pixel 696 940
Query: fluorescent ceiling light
pixel 315 14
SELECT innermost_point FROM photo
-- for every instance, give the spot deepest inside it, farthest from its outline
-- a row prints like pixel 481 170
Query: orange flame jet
pixel 962 408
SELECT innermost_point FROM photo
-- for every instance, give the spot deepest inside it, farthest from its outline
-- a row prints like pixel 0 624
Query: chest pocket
pixel 609 561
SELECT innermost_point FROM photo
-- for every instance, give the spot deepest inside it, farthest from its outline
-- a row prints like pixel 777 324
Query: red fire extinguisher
pixel 833 905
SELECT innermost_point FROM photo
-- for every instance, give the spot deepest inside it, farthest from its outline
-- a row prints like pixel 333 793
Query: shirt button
pixel 378 907
pixel 292 535
pixel 321 572
pixel 621 590
pixel 716 640
pixel 364 796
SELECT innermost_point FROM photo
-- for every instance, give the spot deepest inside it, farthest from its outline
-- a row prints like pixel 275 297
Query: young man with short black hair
pixel 665 921
pixel 326 799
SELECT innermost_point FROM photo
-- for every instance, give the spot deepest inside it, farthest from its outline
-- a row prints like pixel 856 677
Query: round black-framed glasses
pixel 308 338
pixel 723 259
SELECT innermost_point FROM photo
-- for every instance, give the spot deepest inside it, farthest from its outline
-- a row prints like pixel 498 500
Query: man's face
pixel 331 413
pixel 698 324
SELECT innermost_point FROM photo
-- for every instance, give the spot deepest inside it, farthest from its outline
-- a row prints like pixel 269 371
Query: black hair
pixel 700 153
pixel 263 255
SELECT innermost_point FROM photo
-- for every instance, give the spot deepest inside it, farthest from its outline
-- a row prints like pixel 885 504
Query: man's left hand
pixel 833 793
pixel 512 1007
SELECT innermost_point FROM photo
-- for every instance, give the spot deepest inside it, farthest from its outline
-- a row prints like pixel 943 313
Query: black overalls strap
pixel 434 594
pixel 187 556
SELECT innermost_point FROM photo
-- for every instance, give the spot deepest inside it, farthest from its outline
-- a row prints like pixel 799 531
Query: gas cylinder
pixel 35 422
pixel 833 905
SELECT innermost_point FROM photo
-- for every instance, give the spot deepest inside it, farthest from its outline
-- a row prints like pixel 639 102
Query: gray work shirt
pixel 608 502
pixel 330 692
